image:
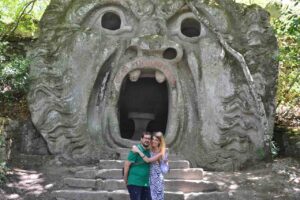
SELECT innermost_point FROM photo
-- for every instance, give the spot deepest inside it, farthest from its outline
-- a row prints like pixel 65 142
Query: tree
pixel 18 21
pixel 20 17
pixel 285 18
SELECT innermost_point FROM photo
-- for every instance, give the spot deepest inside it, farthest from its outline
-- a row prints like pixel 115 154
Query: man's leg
pixel 146 193
pixel 135 192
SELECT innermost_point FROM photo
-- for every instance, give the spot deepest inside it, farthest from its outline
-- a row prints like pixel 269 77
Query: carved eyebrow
pixel 183 9
pixel 80 13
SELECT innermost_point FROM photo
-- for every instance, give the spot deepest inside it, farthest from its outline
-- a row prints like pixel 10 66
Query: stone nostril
pixel 170 53
pixel 131 52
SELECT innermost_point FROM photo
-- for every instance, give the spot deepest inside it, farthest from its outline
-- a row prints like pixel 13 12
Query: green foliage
pixel 274 149
pixel 287 29
pixel 3 168
pixel 285 18
pixel 260 153
pixel 13 74
pixel 20 17
pixel 262 3
pixel 3 172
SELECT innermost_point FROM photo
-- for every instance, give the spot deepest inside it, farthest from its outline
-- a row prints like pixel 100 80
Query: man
pixel 137 171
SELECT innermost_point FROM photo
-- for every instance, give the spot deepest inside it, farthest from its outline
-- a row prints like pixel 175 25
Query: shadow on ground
pixel 279 179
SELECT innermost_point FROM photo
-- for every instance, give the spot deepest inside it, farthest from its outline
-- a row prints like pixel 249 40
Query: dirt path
pixel 279 179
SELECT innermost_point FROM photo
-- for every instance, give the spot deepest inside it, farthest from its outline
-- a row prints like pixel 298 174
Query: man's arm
pixel 126 169
pixel 155 158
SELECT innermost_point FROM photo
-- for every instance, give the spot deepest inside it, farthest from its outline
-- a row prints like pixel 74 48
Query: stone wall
pixel 20 137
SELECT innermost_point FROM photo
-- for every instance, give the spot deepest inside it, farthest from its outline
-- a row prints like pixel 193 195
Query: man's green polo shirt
pixel 139 170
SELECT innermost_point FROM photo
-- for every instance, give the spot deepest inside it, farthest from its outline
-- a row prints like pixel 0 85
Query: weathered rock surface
pixel 202 72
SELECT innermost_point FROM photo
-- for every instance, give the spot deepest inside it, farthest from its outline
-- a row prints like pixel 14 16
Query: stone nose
pixel 158 46
pixel 152 26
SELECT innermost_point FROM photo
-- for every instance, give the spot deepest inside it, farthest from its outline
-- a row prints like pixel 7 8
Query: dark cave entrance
pixel 143 106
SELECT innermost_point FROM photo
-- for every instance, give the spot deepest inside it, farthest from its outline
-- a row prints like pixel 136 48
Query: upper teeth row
pixel 135 75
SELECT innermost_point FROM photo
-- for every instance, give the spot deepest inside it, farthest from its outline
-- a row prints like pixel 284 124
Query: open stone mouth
pixel 146 93
pixel 143 103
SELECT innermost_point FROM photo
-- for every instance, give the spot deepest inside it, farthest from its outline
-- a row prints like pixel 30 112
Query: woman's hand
pixel 135 149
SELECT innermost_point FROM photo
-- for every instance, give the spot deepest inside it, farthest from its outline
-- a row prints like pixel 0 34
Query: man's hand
pixel 125 180
pixel 126 169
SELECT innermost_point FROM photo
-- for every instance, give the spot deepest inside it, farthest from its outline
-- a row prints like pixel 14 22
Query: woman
pixel 158 154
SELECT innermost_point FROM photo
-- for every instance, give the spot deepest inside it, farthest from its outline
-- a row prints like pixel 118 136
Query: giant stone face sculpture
pixel 202 72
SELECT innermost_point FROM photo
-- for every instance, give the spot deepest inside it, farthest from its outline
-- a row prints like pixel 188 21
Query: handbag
pixel 164 167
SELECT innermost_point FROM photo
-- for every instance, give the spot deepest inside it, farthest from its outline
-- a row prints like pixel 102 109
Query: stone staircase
pixel 104 182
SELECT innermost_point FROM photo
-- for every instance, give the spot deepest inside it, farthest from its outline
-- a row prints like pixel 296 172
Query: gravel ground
pixel 279 179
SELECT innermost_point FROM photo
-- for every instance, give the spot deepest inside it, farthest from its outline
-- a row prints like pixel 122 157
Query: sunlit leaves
pixel 21 16
pixel 13 74
pixel 18 19
pixel 287 28
pixel 285 18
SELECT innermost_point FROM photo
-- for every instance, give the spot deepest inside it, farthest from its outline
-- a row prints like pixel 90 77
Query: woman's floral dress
pixel 157 184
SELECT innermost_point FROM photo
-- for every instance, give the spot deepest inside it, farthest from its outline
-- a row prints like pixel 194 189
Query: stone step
pixel 89 195
pixel 113 184
pixel 207 196
pixel 187 186
pixel 187 174
pixel 123 153
pixel 123 195
pixel 104 195
pixel 123 156
pixel 118 164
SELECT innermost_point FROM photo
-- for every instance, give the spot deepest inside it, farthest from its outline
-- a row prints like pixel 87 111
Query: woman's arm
pixel 145 158
pixel 151 159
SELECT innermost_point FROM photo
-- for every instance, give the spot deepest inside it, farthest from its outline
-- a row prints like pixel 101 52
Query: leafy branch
pixel 288 88
pixel 29 4
pixel 26 10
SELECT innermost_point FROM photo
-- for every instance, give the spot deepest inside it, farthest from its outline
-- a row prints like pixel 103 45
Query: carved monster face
pixel 106 70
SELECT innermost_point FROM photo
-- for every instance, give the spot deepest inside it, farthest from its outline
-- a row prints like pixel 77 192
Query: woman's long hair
pixel 162 145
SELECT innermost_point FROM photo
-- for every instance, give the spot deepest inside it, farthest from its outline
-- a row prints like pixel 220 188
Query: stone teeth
pixel 160 77
pixel 134 75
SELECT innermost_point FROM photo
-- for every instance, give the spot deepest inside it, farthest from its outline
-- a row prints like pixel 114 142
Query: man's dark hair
pixel 145 133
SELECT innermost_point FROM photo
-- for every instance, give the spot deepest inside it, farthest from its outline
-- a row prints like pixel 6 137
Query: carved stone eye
pixel 111 21
pixel 190 27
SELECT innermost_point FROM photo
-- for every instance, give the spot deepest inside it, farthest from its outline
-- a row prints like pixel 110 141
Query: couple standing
pixel 145 181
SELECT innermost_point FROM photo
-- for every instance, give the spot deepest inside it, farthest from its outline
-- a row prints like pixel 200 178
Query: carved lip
pixel 145 63
pixel 157 64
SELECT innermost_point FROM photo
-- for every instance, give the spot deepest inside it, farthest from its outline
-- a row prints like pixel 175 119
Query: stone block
pixel 187 174
pixel 187 186
pixel 80 183
pixel 208 196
